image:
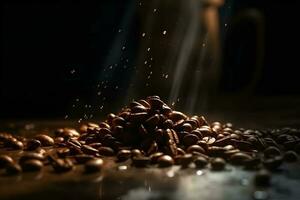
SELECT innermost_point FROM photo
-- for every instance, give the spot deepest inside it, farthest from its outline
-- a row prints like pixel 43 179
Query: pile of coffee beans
pixel 149 133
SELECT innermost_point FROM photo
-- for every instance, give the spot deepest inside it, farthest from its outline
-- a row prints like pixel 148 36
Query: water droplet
pixel 150 66
pixel 90 106
pixel 99 93
pixel 66 116
pixel 101 107
pixel 85 105
pixel 225 25
pixel 173 103
pixel 79 120
pixel 72 71
pixel 77 100
pixel 91 116
pixel 164 32
pixel 103 98
pixel 123 48
pixel 116 64
pixel 203 44
pixel 120 30
pixel 149 77
pixel 140 3
pixel 154 10
pixel 73 105
pixel 116 87
pixel 166 76
pixel 244 181
pixel 147 84
pixel 143 35
pixel 148 49
pixel 145 62
pixel 151 58
pixel 178 99
pixel 85 116
pixel 127 60
pixel 199 172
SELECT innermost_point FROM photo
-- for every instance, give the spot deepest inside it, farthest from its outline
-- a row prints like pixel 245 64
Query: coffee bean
pixel 186 160
pixel 239 158
pixel 136 153
pixel 89 150
pixel 31 156
pixel 218 164
pixel 94 165
pixel 13 169
pixel 272 151
pixel 154 157
pixel 81 159
pixel 123 155
pixel 273 163
pixel 262 178
pixel 195 148
pixel 176 116
pixel 290 156
pixel 190 139
pixel 62 165
pixel 200 162
pixel 45 140
pixel 252 163
pixel 165 161
pixel 32 165
pixel 106 151
pixel 33 144
pixel 140 161
pixel 5 160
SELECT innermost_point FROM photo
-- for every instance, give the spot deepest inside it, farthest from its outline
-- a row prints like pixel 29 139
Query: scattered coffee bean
pixel 106 151
pixel 218 164
pixel 94 165
pixel 33 144
pixel 140 161
pixel 165 161
pixel 13 169
pixel 32 165
pixel 45 140
pixel 5 160
pixel 200 162
pixel 123 155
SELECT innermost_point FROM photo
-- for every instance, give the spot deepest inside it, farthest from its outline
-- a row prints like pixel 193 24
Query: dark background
pixel 53 52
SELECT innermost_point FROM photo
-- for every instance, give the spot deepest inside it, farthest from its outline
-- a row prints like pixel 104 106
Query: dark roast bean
pixel 106 151
pixel 89 150
pixel 186 160
pixel 81 159
pixel 176 116
pixel 165 161
pixel 31 156
pixel 271 152
pixel 154 157
pixel 290 156
pixel 33 144
pixel 262 178
pixel 200 162
pixel 136 153
pixel 252 163
pixel 45 140
pixel 5 160
pixel 94 165
pixel 62 165
pixel 195 148
pixel 123 155
pixel 218 164
pixel 140 161
pixel 32 165
pixel 273 163
pixel 13 169
pixel 190 139
pixel 239 158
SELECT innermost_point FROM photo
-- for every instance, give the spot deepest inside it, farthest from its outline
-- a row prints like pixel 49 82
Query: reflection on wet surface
pixel 122 181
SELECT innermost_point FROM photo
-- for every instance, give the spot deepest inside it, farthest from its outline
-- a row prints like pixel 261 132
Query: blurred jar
pixel 179 52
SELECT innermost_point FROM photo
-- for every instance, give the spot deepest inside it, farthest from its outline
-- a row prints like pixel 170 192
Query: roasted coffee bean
pixel 62 165
pixel 33 144
pixel 200 162
pixel 239 158
pixel 252 163
pixel 190 139
pixel 123 155
pixel 176 116
pixel 209 140
pixel 262 178
pixel 5 160
pixel 94 165
pixel 273 163
pixel 152 121
pixel 215 151
pixel 271 152
pixel 140 161
pixel 106 151
pixel 218 164
pixel 290 156
pixel 223 141
pixel 14 144
pixel 31 156
pixel 165 161
pixel 45 140
pixel 32 165
pixel 154 157
pixel 89 150
pixel 186 160
pixel 195 148
pixel 63 152
pixel 136 153
pixel 81 159
pixel 13 169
